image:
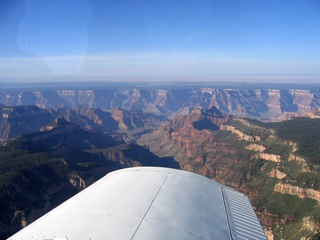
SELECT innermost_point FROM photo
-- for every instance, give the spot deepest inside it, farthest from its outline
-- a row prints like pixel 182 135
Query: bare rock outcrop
pixel 302 161
pixel 275 173
pixel 268 157
pixel 309 225
pixel 260 103
pixel 269 234
pixel 77 182
pixel 303 98
pixel 255 147
pixel 118 115
pixel 294 157
pixel 273 101
pixel 240 134
pixel 298 191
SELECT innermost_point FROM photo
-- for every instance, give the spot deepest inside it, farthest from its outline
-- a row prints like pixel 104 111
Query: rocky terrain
pixel 275 164
pixel 38 171
pixel 267 161
pixel 19 120
pixel 70 138
pixel 262 102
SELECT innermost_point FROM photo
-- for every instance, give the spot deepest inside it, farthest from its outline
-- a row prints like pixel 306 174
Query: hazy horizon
pixel 194 40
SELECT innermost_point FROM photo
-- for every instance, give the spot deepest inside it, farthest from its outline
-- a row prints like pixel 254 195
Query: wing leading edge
pixel 150 203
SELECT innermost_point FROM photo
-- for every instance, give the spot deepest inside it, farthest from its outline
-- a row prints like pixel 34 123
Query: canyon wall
pixel 263 104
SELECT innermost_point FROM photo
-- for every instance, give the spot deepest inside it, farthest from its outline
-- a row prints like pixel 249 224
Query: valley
pixel 266 102
pixel 51 152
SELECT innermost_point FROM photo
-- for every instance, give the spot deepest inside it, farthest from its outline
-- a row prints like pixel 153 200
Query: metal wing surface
pixel 150 203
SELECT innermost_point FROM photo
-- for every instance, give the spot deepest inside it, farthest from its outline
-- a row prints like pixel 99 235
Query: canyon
pixel 69 138
pixel 268 104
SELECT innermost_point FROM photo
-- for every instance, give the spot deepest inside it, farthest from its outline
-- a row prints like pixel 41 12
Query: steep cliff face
pixel 240 134
pixel 134 123
pixel 268 157
pixel 298 191
pixel 267 104
pixel 34 184
pixel 248 155
pixel 196 149
pixel 275 173
pixel 64 132
pixel 260 159
pixel 18 120
pixel 128 120
pixel 40 170
pixel 22 119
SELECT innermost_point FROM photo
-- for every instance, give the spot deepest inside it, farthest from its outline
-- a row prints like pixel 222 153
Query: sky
pixel 187 40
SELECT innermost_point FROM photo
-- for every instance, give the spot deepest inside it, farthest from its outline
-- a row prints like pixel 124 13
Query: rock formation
pixel 265 104
pixel 298 191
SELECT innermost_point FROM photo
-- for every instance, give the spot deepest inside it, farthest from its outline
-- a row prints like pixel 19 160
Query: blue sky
pixel 164 39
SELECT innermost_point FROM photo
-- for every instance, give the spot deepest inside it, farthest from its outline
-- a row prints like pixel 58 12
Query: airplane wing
pixel 150 203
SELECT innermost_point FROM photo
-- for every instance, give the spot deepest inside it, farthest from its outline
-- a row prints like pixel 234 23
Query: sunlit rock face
pixel 298 191
pixel 263 104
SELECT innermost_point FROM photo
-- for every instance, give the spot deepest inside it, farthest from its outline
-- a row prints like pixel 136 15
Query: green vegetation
pixel 225 136
pixel 283 207
pixel 279 148
pixel 24 179
pixel 251 127
pixel 15 163
pixel 305 132
pixel 29 168
pixel 255 168
pixel 36 170
pixel 308 180
pixel 288 206
pixel 286 212
pixel 291 168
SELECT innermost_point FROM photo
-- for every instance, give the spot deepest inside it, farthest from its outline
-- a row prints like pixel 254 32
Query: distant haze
pixel 180 40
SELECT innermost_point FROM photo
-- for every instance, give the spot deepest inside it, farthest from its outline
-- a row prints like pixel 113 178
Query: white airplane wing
pixel 150 203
